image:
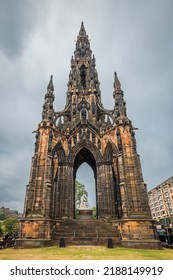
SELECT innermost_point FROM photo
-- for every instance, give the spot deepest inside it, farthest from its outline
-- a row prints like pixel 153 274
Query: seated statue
pixel 84 202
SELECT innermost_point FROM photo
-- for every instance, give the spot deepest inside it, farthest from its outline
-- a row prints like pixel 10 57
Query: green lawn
pixel 85 253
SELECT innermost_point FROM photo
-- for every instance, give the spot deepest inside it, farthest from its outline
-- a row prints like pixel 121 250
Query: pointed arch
pixel 84 155
pixel 59 151
pixel 110 150
pixel 89 146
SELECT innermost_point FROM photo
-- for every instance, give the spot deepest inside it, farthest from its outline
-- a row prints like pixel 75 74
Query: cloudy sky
pixel 37 38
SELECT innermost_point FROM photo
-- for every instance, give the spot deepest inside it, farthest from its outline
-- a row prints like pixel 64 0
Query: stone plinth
pixel 142 244
pixel 85 214
pixel 32 243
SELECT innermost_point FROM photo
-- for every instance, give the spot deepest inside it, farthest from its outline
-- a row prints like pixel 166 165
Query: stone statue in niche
pixel 83 115
pixel 83 76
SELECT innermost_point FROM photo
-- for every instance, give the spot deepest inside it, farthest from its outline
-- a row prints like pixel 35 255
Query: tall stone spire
pixel 83 77
pixel 120 104
pixel 82 44
pixel 48 111
pixel 82 29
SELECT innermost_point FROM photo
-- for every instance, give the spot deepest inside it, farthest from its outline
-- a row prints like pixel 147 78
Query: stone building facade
pixel 84 131
pixel 161 200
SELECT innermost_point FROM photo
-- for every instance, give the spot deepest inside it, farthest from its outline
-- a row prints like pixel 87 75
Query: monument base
pixel 142 244
pixel 85 214
pixel 32 243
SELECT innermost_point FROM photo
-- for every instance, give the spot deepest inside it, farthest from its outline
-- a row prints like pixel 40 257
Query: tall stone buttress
pixel 84 131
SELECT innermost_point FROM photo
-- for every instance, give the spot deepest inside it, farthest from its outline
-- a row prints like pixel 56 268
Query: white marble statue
pixel 84 202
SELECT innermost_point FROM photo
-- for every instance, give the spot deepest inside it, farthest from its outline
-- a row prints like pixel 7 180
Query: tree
pixel 1 231
pixel 94 212
pixel 79 191
pixel 2 216
pixel 11 225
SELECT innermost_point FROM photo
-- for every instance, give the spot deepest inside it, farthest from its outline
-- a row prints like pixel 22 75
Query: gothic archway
pixel 84 155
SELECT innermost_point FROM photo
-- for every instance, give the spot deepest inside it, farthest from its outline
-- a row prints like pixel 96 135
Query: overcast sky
pixel 37 39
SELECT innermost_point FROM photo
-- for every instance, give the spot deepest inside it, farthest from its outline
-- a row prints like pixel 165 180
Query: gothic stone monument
pixel 84 131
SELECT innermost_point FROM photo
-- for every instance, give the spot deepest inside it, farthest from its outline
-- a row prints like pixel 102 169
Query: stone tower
pixel 84 131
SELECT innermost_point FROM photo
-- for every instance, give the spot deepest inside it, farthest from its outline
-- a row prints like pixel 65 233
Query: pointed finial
pixel 50 85
pixel 82 31
pixel 117 84
pixel 82 44
pixel 72 61
pixel 93 60
pixel 120 104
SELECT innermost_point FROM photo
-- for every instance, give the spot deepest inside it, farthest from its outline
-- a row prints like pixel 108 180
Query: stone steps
pixel 88 232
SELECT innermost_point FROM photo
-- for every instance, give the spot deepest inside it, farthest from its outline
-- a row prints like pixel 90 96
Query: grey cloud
pixel 18 20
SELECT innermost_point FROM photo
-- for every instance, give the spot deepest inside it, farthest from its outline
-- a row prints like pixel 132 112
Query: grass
pixel 85 253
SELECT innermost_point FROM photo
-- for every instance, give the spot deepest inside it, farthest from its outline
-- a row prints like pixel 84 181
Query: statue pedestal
pixel 85 214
